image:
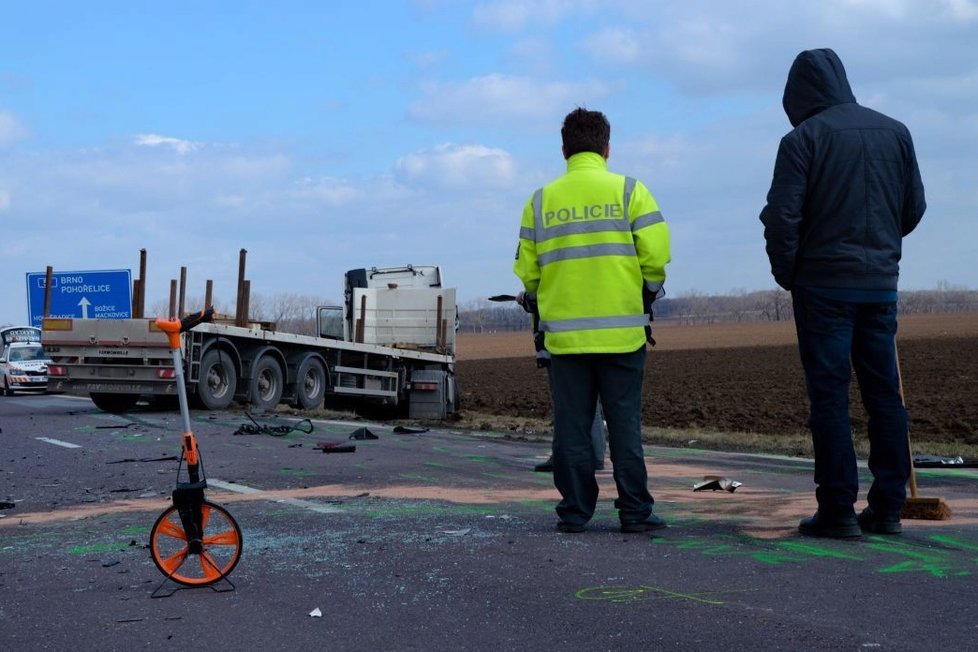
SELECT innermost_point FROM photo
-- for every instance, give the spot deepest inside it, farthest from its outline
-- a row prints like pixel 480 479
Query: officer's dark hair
pixel 585 131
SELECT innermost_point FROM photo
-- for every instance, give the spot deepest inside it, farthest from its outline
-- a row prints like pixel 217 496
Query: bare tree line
pixel 289 313
pixel 483 316
pixel 296 313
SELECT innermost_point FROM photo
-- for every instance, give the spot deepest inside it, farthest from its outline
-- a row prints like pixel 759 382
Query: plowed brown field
pixel 742 378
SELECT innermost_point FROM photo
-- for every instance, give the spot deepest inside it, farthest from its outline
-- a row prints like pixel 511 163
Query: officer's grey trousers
pixel 579 380
pixel 597 426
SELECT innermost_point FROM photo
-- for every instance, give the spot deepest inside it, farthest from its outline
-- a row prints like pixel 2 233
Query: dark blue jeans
pixel 833 338
pixel 577 383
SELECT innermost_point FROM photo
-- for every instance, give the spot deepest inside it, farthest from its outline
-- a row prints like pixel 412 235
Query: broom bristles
pixel 926 509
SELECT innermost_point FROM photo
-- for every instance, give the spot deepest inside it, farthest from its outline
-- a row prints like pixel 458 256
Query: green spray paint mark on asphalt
pixel 539 505
pixel 97 548
pixel 932 561
pixel 420 478
pixel 135 530
pixel 817 551
pixel 773 552
pixel 954 542
pixel 480 459
pixel 296 473
pixel 910 557
pixel 440 465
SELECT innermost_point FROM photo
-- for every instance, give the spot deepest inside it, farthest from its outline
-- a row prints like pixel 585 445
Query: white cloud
pixel 11 129
pixel 716 48
pixel 458 166
pixel 328 191
pixel 515 15
pixel 178 145
pixel 963 10
pixel 498 99
pixel 616 44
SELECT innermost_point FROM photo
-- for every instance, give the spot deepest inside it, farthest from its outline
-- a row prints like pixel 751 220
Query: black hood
pixel 816 81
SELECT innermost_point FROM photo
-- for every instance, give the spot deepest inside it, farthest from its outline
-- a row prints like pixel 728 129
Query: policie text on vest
pixel 581 213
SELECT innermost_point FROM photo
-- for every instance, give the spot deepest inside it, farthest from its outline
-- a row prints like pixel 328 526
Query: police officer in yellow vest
pixel 592 253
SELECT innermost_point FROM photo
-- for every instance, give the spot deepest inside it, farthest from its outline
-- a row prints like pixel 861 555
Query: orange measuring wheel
pixel 196 558
pixel 194 542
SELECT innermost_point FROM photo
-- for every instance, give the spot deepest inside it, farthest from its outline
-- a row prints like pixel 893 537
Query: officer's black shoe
pixel 842 527
pixel 545 467
pixel 651 522
pixel 870 521
pixel 570 528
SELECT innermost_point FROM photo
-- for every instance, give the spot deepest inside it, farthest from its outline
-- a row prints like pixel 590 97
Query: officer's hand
pixel 528 300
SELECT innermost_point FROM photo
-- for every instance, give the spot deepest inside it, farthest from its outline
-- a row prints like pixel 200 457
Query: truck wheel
pixel 218 380
pixel 310 384
pixel 6 387
pixel 266 383
pixel 114 403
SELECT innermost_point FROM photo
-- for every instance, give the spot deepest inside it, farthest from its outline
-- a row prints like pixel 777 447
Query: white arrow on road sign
pixel 84 303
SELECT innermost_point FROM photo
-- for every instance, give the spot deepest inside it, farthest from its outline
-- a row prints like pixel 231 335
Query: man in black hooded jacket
pixel 846 190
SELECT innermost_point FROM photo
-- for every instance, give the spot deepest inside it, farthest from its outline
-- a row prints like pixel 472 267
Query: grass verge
pixel 530 429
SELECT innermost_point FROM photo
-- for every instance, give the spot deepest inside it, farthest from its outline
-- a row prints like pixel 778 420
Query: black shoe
pixel 869 521
pixel 570 528
pixel 843 527
pixel 545 467
pixel 651 522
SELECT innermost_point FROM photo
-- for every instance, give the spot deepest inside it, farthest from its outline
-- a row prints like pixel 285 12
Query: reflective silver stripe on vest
pixel 573 228
pixel 538 211
pixel 629 187
pixel 526 233
pixel 587 251
pixel 648 219
pixel 593 323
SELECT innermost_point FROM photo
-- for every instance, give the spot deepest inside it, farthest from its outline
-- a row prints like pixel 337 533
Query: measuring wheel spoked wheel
pixel 195 561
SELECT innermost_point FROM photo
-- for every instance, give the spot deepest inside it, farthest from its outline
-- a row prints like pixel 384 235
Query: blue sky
pixel 324 136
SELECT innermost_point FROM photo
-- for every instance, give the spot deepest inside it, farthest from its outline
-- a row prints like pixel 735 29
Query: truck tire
pixel 114 403
pixel 218 380
pixel 6 387
pixel 310 384
pixel 266 383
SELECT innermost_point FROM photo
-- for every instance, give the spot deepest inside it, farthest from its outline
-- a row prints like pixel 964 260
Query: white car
pixel 23 363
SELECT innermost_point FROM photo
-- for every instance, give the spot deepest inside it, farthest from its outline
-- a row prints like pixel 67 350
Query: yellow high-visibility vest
pixel 589 241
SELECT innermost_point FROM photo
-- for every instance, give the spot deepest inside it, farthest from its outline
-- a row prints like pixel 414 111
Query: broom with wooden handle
pixel 916 507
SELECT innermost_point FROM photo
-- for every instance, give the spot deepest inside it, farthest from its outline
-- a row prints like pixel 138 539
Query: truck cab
pixel 23 363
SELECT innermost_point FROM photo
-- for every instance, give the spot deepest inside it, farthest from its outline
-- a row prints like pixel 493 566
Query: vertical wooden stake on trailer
pixel 141 301
pixel 183 292
pixel 361 322
pixel 208 293
pixel 246 303
pixel 137 288
pixel 173 299
pixel 49 273
pixel 439 327
pixel 238 311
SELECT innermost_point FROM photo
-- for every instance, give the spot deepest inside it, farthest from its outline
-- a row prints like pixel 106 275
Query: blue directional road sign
pixel 103 294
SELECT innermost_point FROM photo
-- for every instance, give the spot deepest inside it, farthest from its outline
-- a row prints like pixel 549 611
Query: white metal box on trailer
pixel 422 318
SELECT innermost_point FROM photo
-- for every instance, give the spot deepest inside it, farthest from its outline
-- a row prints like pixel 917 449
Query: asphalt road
pixel 444 540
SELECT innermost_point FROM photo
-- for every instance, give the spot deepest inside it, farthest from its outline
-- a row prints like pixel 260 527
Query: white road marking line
pixel 319 508
pixel 57 442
